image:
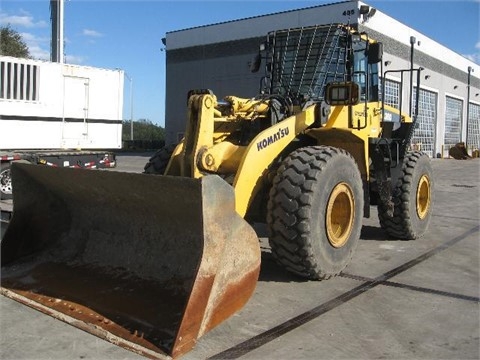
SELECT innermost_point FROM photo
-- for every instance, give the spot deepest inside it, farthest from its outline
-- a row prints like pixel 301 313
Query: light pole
pixel 470 70
pixel 131 105
pixel 413 40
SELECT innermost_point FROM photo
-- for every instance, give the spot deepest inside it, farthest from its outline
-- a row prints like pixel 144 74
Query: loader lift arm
pixel 208 149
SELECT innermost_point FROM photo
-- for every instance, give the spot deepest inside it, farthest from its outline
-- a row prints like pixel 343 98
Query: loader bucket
pixel 149 263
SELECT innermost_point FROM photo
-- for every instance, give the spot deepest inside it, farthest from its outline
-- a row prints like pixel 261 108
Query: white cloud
pixel 39 53
pixel 91 33
pixel 32 38
pixel 23 20
pixel 74 59
pixel 38 46
pixel 474 57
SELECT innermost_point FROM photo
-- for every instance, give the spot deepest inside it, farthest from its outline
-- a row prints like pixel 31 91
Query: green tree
pixel 12 44
pixel 146 135
pixel 143 129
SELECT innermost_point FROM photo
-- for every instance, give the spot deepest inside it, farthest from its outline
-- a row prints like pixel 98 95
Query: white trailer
pixel 58 114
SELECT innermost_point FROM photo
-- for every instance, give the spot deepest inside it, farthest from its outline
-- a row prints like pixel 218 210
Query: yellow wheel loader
pixel 153 261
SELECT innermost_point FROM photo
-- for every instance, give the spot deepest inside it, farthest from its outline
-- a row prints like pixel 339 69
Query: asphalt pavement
pixel 396 300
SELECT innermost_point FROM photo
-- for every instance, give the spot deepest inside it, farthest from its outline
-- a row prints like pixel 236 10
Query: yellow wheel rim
pixel 340 215
pixel 423 197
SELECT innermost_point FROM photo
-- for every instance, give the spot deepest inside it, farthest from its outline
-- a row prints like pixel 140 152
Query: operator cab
pixel 302 62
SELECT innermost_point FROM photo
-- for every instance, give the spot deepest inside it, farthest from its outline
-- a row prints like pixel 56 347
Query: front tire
pixel 412 198
pixel 157 164
pixel 315 211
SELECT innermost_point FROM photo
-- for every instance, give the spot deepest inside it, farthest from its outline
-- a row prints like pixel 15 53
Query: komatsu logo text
pixel 262 144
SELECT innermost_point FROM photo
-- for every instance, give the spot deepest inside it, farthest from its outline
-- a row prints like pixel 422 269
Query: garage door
pixel 473 135
pixel 453 122
pixel 424 135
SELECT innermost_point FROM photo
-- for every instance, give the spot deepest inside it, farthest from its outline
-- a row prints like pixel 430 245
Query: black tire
pixel 311 185
pixel 158 163
pixel 5 182
pixel 412 198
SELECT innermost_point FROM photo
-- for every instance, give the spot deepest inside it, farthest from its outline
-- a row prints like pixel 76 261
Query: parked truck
pixel 58 115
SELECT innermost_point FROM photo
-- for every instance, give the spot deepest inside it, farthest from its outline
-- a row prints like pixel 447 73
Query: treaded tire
pixel 158 163
pixel 5 182
pixel 412 198
pixel 297 216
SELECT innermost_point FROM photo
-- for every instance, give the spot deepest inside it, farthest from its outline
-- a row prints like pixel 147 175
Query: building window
pixel 473 127
pixel 453 122
pixel 423 138
pixel 18 81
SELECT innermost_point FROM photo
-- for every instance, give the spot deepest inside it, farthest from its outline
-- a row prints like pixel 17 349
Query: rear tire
pixel 6 188
pixel 412 198
pixel 315 212
pixel 159 161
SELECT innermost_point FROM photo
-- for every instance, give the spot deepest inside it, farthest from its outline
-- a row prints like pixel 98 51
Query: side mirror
pixel 375 53
pixel 254 64
pixel 342 93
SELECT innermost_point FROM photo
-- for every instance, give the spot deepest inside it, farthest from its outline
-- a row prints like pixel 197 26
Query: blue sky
pixel 127 34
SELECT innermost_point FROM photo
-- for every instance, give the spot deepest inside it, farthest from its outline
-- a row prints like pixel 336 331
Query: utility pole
pixel 131 105
pixel 57 40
